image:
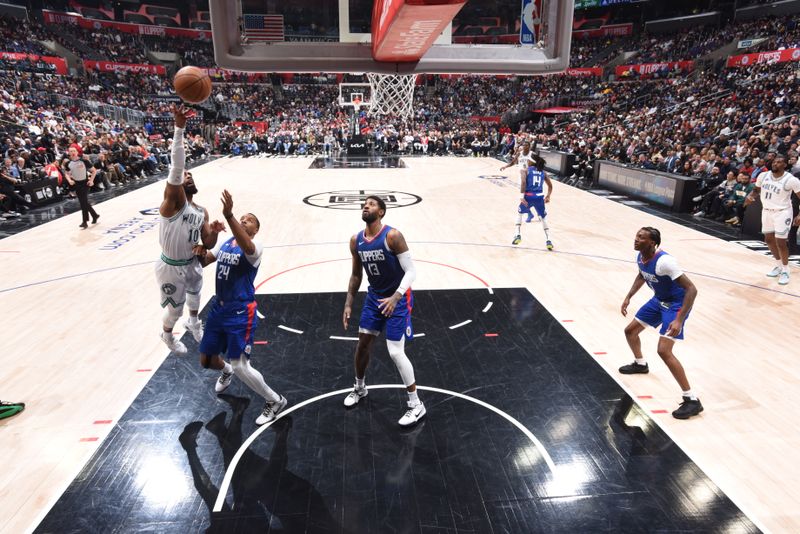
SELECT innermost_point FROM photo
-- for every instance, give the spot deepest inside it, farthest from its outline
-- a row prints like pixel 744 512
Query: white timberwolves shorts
pixel 776 221
pixel 176 279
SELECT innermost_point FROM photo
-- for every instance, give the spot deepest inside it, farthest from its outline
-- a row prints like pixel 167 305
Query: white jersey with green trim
pixel 181 232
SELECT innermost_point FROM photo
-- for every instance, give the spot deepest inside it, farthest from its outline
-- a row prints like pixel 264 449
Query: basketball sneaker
pixel 517 240
pixel 549 245
pixel 195 327
pixel 783 279
pixel 634 369
pixel 223 382
pixel 173 344
pixel 530 218
pixel 774 272
pixel 414 413
pixel 688 408
pixel 271 411
pixel 354 396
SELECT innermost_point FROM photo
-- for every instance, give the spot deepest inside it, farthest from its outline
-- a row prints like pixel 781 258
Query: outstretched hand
pixel 227 204
pixel 217 226
pixel 181 114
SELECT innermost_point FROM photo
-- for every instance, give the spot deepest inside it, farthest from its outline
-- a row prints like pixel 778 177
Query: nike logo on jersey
pixel 240 312
pixel 360 242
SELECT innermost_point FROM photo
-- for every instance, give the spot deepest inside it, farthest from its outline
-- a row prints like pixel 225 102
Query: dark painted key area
pixel 463 469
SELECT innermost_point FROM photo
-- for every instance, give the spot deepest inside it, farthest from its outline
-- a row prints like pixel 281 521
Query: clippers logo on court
pixel 498 180
pixel 352 199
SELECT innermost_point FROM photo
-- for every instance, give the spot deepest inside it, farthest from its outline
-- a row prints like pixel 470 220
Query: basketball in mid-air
pixel 192 84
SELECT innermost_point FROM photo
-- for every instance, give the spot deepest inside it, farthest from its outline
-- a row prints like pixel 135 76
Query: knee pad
pixel 171 315
pixel 193 301
pixel 401 361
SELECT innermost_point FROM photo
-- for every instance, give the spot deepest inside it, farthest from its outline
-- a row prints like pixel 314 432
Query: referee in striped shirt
pixel 80 174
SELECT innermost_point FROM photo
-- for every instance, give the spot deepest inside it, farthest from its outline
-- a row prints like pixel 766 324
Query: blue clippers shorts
pixel 655 313
pixel 534 202
pixel 229 329
pixel 397 326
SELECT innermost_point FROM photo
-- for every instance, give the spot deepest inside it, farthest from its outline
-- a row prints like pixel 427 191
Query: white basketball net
pixel 392 94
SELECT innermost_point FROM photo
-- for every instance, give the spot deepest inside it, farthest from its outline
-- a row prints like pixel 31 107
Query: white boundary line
pixel 260 315
pixel 488 307
pixel 419 335
pixel 226 481
pixel 344 338
pixel 290 329
pixel 459 325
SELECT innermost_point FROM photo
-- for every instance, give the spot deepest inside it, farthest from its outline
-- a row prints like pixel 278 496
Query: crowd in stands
pixel 715 125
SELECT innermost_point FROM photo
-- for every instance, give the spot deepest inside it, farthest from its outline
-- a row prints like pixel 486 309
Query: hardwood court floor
pixel 82 319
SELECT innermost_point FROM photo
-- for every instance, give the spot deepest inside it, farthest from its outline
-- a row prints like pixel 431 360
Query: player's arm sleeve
pixel 178 158
pixel 410 272
pixel 668 265
pixel 760 179
pixel 255 257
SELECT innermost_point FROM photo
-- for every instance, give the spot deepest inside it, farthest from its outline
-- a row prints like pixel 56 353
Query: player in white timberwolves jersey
pixel 523 158
pixel 776 187
pixel 184 225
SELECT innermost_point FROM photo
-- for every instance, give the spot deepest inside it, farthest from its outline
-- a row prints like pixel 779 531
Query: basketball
pixel 192 84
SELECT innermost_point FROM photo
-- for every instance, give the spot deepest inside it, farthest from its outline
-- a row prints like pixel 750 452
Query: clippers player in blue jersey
pixel 382 252
pixel 668 309
pixel 532 189
pixel 232 318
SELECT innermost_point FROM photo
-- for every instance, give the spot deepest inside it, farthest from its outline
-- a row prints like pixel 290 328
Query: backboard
pixel 477 36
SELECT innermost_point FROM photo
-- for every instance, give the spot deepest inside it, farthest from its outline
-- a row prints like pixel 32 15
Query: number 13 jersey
pixel 381 264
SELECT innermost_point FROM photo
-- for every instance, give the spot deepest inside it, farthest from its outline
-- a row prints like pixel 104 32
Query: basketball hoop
pixel 392 94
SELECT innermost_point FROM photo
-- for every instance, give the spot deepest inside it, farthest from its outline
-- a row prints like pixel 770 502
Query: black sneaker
pixel 634 369
pixel 688 408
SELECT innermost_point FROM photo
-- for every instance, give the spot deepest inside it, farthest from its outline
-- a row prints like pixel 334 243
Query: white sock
pixel 360 383
pixel 546 228
pixel 785 269
pixel 688 393
pixel 228 368
pixel 640 361
pixel 413 397
pixel 779 264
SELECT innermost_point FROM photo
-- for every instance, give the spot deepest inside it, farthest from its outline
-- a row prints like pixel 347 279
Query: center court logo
pixel 352 199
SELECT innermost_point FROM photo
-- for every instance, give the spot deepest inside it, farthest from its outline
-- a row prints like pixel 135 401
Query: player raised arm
pixel 174 195
pixel 514 159
pixel 397 243
pixel 243 239
pixel 356 274
pixel 637 285
pixel 210 231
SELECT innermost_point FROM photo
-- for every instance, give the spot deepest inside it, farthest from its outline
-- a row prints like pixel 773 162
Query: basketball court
pixel 530 428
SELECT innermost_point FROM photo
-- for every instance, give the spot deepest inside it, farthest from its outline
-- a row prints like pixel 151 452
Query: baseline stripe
pixel 459 325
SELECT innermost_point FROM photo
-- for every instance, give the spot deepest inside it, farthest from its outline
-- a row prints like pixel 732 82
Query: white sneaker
pixel 223 382
pixel 173 344
pixel 196 328
pixel 414 413
pixel 354 396
pixel 783 279
pixel 271 411
pixel 774 272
